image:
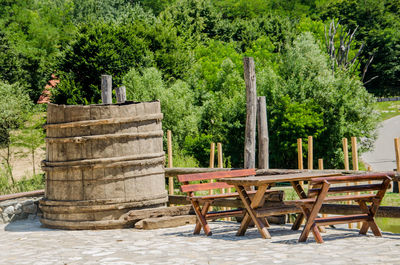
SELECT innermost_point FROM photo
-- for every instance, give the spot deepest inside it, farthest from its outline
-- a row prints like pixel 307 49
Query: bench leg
pixel 311 215
pixel 201 220
pixel 371 222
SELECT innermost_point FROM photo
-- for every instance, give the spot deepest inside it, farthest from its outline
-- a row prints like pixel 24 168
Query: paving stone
pixel 26 242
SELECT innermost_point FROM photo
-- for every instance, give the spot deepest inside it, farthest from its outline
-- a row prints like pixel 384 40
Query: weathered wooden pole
pixel 397 151
pixel 300 153
pixel 354 152
pixel 106 89
pixel 346 154
pixel 346 165
pixel 251 113
pixel 219 151
pixel 121 94
pixel 310 152
pixel 170 164
pixel 300 156
pixel 263 139
pixel 320 164
pixel 212 155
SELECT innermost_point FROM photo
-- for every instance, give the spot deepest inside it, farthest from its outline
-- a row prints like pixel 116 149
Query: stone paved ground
pixel 25 242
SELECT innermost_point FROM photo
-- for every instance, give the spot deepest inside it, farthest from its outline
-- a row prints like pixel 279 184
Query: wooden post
pixel 212 155
pixel 251 113
pixel 346 165
pixel 106 89
pixel 300 156
pixel 321 167
pixel 320 164
pixel 346 154
pixel 121 94
pixel 397 151
pixel 370 181
pixel 219 150
pixel 310 152
pixel 354 152
pixel 221 165
pixel 170 164
pixel 263 139
pixel 299 153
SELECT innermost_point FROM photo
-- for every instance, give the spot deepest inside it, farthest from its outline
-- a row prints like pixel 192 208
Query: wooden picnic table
pixel 254 211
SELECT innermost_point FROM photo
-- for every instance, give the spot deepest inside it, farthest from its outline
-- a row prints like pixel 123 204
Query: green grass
pixel 36 182
pixel 387 109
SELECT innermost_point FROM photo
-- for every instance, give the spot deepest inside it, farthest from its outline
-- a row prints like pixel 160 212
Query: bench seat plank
pixel 364 197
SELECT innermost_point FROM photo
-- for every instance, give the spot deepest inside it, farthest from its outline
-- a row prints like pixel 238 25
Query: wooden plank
pixel 148 117
pixel 284 209
pixel 204 186
pixel 35 193
pixel 345 209
pixel 216 175
pixel 366 187
pixel 269 179
pixel 106 89
pixel 332 220
pixel 263 138
pixel 165 222
pixel 354 178
pixel 367 197
pixel 227 213
pixel 136 215
pixel 251 113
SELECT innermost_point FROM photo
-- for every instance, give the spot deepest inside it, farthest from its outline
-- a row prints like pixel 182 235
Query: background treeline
pixel 188 54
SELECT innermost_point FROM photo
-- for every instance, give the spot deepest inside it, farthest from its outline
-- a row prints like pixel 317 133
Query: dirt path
pixel 22 164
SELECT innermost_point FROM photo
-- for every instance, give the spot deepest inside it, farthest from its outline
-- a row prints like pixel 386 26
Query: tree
pixel 14 105
pixel 305 84
pixel 30 135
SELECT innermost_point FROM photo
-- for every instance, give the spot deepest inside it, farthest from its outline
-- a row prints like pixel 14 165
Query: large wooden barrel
pixel 101 162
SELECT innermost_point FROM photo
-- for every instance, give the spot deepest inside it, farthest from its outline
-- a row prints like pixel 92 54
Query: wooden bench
pixel 321 191
pixel 201 203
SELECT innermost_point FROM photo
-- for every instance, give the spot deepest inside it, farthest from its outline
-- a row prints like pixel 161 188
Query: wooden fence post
pixel 263 139
pixel 121 94
pixel 212 155
pixel 170 164
pixel 397 151
pixel 310 152
pixel 106 89
pixel 354 152
pixel 251 112
pixel 300 156
pixel 320 164
pixel 346 165
pixel 299 153
pixel 346 154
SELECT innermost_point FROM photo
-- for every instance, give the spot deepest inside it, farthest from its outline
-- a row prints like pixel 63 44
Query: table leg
pixel 302 194
pixel 250 213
